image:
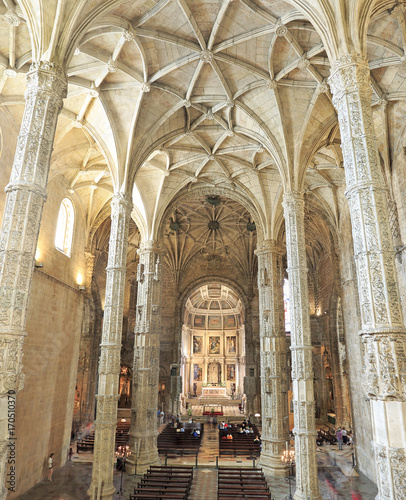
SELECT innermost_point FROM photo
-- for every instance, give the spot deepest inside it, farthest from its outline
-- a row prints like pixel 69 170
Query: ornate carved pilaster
pixel 109 363
pixel 143 432
pixel 301 346
pixel 383 332
pixel 26 194
pixel 252 371
pixel 274 389
pixel 90 258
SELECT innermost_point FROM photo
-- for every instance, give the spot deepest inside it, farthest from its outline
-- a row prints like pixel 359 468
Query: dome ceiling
pixel 213 307
pixel 214 298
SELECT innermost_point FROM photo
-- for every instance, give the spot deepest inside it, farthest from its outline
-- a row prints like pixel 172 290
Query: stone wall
pixel 45 405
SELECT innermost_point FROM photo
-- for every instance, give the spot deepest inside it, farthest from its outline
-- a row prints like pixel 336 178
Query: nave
pixel 72 480
pixel 167 169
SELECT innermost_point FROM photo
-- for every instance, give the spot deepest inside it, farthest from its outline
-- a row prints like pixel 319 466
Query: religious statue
pixel 213 373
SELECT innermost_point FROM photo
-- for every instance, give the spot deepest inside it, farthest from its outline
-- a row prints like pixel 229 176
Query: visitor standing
pixel 345 437
pixel 50 466
pixel 340 438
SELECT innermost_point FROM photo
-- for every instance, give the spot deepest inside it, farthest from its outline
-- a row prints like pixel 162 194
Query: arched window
pixel 64 228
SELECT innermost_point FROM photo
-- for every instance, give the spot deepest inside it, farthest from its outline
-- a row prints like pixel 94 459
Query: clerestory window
pixel 64 228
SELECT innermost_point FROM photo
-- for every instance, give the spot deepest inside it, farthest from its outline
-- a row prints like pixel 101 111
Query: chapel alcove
pixel 213 343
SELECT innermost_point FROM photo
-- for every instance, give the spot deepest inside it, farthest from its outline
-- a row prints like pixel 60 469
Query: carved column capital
pixel 267 246
pixel 121 203
pixel 47 77
pixel 293 201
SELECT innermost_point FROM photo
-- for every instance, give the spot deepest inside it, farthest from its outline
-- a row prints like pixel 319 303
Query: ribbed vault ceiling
pixel 180 94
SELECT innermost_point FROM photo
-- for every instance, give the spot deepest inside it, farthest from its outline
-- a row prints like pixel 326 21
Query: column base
pixel 106 493
pixel 309 496
pixel 273 466
pixel 143 463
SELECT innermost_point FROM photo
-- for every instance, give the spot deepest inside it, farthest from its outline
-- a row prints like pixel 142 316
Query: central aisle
pixel 204 485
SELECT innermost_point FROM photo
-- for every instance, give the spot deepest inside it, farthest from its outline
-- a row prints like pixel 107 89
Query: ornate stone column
pixel 175 389
pixel 252 374
pixel 109 363
pixel 274 390
pixel 307 486
pixel 383 331
pixel 26 194
pixel 143 432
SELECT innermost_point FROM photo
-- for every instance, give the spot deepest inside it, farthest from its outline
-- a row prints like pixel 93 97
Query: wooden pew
pixel 234 482
pixel 162 482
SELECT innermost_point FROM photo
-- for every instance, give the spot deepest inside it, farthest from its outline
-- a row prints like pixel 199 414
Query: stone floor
pixel 337 478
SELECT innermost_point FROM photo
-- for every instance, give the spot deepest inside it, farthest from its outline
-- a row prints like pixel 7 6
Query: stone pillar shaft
pixel 301 347
pixel 109 363
pixel 143 433
pixel 383 332
pixel 26 194
pixel 274 390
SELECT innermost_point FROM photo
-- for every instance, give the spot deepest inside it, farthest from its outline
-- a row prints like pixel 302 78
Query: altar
pixel 214 391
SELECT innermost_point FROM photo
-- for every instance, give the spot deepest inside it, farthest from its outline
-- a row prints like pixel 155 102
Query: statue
pixel 213 373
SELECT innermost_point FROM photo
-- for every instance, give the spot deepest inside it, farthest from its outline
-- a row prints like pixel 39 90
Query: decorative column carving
pixel 252 370
pixel 176 383
pixel 143 432
pixel 90 258
pixel 274 390
pixel 175 389
pixel 26 194
pixel 110 348
pixel 343 411
pixel 383 331
pixel 307 486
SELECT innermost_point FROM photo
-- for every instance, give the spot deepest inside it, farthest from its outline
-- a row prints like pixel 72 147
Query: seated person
pixel 230 436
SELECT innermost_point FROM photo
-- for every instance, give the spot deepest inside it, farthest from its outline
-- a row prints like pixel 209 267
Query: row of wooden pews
pixel 241 444
pixel 173 442
pixel 122 430
pixel 249 484
pixel 164 483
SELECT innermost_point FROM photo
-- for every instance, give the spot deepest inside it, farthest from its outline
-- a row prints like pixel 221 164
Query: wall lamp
pixel 79 281
pixel 37 262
